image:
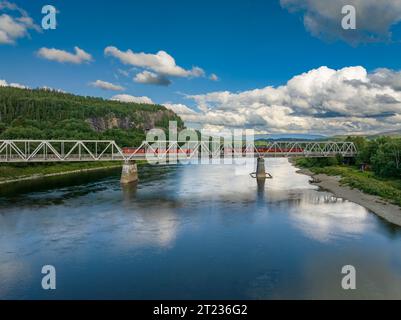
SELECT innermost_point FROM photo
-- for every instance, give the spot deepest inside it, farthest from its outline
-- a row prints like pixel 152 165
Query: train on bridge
pixel 188 151
pixel 25 151
pixel 108 150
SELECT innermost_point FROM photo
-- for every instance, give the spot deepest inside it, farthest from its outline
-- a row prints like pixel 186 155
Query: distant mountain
pixel 387 133
pixel 289 136
pixel 392 133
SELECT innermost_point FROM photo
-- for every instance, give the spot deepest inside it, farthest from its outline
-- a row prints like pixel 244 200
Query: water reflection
pixel 261 188
pixel 129 192
pixel 323 217
pixel 154 226
pixel 191 232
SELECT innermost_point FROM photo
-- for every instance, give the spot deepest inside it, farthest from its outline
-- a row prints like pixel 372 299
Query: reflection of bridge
pixel 25 151
pixel 101 150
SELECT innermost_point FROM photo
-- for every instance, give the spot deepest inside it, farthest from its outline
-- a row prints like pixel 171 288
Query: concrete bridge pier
pixel 129 172
pixel 260 169
pixel 261 173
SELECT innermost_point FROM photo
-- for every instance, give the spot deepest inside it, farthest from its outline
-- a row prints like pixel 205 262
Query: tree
pixel 386 160
pixel 47 114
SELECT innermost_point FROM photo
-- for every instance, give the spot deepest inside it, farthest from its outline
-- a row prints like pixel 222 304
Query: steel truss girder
pixel 106 150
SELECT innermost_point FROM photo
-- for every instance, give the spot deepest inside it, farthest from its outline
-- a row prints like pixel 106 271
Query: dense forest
pixel 46 114
pixel 382 155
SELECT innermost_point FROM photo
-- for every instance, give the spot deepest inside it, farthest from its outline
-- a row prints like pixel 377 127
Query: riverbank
pixel 343 186
pixel 24 172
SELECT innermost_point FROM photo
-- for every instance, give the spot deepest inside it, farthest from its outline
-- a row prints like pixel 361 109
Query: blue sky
pixel 248 44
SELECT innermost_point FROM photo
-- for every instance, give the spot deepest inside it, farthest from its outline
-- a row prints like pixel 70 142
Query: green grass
pixel 16 171
pixel 386 188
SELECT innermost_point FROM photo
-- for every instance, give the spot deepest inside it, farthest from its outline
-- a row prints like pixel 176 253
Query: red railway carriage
pixel 265 150
pixel 141 151
pixel 133 150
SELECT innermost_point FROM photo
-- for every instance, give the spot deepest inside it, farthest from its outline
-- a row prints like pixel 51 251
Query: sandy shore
pixel 381 207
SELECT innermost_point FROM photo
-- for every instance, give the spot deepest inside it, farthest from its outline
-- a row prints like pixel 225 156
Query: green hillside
pixel 45 114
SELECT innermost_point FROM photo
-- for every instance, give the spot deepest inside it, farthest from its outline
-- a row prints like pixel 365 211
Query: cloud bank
pixel 104 85
pixel 323 100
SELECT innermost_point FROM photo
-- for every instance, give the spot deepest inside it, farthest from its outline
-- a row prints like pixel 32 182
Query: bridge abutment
pixel 129 172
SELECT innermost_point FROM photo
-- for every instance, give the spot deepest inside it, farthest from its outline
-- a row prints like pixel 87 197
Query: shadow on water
pixel 56 182
pixel 56 190
pixel 261 188
pixel 129 192
pixel 392 230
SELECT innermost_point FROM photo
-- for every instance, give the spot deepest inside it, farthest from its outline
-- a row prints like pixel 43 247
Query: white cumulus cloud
pixel 129 98
pixel 4 83
pixel 147 77
pixel 78 57
pixel 214 77
pixel 156 69
pixel 15 23
pixel 106 85
pixel 161 62
pixel 180 109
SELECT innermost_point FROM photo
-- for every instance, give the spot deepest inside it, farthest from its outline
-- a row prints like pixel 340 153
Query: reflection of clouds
pixel 215 182
pixel 329 221
pixel 233 182
pixel 155 221
pixel 285 177
pixel 156 224
pixel 319 215
pixel 60 233
pixel 125 226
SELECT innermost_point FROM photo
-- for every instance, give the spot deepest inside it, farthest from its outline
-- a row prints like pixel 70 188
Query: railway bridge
pixel 34 151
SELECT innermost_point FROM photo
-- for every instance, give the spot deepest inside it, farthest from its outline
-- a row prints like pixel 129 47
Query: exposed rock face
pixel 143 120
pixel 101 124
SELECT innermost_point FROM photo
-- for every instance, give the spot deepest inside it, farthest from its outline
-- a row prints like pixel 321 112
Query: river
pixel 192 232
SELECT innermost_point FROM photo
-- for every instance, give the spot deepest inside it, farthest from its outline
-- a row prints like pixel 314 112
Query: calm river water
pixel 192 232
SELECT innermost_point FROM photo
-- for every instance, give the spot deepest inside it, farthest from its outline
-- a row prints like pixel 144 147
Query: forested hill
pixel 45 114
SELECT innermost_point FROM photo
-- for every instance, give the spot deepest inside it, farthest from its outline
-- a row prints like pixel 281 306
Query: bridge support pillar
pixel 129 172
pixel 260 169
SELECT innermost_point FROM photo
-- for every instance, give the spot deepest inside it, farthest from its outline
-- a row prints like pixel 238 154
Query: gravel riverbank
pixel 379 206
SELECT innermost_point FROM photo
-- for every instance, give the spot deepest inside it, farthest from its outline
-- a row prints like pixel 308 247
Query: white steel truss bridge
pixel 14 151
